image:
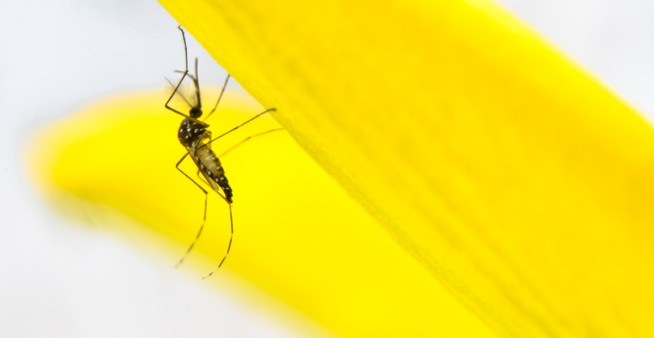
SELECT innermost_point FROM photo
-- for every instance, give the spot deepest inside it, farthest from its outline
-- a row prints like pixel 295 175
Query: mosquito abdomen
pixel 211 168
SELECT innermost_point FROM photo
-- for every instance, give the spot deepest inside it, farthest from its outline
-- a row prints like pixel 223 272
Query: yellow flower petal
pixel 517 180
pixel 298 236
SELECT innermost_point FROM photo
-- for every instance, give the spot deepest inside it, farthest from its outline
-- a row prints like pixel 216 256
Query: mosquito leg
pixel 204 217
pixel 244 123
pixel 229 246
pixel 231 235
pixel 222 91
pixel 179 83
pixel 248 139
pixel 231 219
pixel 202 178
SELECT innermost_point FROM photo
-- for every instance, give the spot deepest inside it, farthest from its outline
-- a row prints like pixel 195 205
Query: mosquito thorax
pixel 191 131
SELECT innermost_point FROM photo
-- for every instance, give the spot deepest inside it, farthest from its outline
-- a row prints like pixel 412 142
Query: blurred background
pixel 65 278
pixel 610 38
pixel 60 279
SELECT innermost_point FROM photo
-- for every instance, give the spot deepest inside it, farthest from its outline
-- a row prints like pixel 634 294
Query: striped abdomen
pixel 211 169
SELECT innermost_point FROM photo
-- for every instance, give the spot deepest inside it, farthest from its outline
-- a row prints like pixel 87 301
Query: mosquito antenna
pixel 222 91
pixel 179 83
pixel 229 246
pixel 196 80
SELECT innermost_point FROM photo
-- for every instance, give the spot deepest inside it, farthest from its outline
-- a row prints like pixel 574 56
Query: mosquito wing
pixel 186 93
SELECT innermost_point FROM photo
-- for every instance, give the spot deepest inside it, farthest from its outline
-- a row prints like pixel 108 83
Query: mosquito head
pixel 195 112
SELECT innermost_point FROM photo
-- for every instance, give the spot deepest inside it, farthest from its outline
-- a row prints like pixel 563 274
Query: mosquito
pixel 195 136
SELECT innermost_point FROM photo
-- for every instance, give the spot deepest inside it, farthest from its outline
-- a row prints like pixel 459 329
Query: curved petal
pixel 515 178
pixel 298 236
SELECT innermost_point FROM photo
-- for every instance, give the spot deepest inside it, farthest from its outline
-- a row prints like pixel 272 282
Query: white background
pixel 63 280
pixel 614 39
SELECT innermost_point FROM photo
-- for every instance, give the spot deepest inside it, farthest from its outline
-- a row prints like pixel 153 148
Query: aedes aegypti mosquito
pixel 195 136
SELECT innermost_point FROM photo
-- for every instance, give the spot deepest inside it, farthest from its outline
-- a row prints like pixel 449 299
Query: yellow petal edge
pixel 298 236
pixel 516 179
